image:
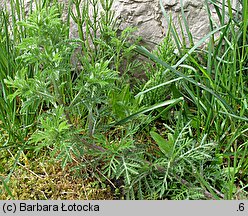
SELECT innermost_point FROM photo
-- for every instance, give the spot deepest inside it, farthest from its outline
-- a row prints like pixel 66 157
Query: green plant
pixel 157 74
pixel 215 103
pixel 179 134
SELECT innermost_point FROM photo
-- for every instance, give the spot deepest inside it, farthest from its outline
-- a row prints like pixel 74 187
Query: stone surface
pixel 147 16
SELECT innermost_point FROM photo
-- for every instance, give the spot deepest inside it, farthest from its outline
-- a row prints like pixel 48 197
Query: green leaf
pixel 6 187
pixel 206 185
pixel 63 126
pixel 150 108
pixel 165 146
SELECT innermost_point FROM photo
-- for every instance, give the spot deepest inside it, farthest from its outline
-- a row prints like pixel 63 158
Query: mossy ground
pixel 43 178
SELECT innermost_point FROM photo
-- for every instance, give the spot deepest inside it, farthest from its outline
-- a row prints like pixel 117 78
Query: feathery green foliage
pixel 179 133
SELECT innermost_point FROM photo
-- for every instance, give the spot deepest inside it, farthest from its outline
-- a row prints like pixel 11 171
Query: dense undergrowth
pixel 180 131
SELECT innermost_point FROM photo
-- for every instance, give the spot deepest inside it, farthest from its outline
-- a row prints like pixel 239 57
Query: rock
pixel 152 25
pixel 147 16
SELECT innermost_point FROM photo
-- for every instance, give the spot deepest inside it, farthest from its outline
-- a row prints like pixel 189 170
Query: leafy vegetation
pixel 179 133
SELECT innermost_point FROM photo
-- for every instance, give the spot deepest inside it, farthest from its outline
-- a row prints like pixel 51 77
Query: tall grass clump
pixel 214 85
